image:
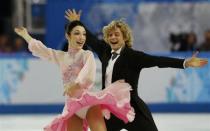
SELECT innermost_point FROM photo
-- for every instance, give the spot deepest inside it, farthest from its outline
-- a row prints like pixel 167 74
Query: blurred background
pixel 31 89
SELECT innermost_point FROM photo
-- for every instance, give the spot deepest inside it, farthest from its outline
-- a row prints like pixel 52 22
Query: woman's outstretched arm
pixel 38 48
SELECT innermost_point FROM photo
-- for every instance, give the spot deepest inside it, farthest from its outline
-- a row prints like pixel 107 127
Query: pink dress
pixel 78 66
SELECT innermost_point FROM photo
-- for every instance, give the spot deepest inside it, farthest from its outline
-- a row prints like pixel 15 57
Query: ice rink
pixel 165 122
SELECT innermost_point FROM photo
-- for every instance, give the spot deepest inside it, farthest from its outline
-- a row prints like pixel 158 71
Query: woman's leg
pixel 95 119
pixel 75 123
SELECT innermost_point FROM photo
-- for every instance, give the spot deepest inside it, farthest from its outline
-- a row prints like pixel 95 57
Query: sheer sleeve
pixel 86 77
pixel 40 50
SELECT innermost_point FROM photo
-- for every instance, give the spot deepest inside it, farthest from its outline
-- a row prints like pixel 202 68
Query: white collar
pixel 118 51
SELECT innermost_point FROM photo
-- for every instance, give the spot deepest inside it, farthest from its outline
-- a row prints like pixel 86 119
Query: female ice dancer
pixel 83 107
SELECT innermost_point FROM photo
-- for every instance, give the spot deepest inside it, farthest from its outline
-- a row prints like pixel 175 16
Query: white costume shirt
pixel 109 68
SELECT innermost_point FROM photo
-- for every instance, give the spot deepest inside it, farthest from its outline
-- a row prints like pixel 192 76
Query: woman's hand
pixel 73 90
pixel 21 31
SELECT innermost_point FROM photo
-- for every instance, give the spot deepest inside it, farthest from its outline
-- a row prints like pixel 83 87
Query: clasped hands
pixel 72 90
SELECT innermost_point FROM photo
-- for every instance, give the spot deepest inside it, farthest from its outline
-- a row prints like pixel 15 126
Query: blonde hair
pixel 124 28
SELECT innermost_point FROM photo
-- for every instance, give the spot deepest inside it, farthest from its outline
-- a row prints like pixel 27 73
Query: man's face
pixel 115 39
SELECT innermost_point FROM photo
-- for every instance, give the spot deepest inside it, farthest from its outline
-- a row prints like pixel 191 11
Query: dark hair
pixel 71 25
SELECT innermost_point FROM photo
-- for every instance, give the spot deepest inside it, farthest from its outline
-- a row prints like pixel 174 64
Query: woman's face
pixel 77 37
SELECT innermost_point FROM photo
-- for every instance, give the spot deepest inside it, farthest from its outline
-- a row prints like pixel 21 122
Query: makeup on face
pixel 77 37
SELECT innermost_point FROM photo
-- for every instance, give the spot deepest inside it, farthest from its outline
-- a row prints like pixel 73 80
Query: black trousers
pixel 140 123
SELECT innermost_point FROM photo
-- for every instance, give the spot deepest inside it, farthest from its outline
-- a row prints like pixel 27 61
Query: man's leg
pixel 114 124
pixel 141 123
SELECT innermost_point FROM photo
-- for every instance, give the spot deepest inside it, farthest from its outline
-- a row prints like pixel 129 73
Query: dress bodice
pixel 77 66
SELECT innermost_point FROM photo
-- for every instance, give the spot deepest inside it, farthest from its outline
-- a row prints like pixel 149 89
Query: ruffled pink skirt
pixel 114 99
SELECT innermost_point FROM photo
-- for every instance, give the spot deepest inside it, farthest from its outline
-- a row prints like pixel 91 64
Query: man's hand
pixel 195 61
pixel 72 15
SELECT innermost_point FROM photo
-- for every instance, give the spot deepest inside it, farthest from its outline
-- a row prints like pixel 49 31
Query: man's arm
pixel 146 60
pixel 92 41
